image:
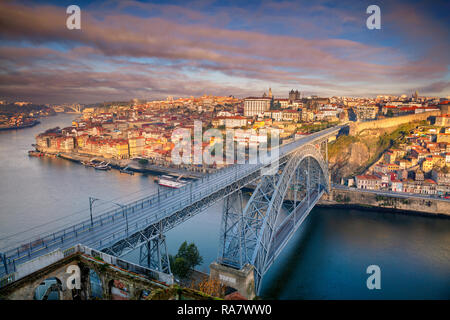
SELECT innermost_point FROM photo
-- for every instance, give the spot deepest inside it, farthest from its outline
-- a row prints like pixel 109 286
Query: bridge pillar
pixel 242 280
pixel 154 254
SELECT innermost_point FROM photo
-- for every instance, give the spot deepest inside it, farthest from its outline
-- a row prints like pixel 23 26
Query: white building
pixel 256 106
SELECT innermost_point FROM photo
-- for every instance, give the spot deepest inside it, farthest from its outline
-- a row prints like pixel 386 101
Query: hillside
pixel 352 155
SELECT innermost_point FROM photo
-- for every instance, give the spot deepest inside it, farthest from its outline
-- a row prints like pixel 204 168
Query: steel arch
pixel 252 240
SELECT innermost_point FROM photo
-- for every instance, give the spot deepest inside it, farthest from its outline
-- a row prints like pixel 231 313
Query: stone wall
pixel 356 127
pixel 371 200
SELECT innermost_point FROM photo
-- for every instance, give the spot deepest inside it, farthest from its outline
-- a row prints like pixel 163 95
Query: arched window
pixel 49 289
pixel 96 285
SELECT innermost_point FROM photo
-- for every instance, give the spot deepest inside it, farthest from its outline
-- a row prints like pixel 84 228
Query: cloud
pixel 436 87
pixel 153 53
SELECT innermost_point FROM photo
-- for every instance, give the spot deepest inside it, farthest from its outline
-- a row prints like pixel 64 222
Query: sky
pixel 154 49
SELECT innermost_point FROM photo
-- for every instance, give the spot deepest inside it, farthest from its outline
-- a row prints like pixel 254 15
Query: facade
pixel 136 146
pixel 364 113
pixel 294 95
pixel 443 120
pixel 256 106
pixel 230 122
pixel 369 182
pixel 441 177
pixel 290 115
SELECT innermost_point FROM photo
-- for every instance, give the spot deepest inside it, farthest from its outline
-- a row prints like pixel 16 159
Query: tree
pixel 143 162
pixel 210 286
pixel 180 267
pixel 187 258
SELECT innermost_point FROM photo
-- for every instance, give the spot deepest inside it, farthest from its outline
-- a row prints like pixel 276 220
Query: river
pixel 326 259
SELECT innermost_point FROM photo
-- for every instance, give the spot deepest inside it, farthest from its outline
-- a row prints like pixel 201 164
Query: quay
pixel 388 201
pixel 133 165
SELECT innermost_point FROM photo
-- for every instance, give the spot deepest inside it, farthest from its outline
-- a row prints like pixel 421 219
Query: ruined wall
pixel 132 286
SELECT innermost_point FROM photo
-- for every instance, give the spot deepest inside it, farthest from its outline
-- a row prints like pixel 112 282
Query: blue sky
pixel 152 49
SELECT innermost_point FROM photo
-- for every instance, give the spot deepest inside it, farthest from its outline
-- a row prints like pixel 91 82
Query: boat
pixel 102 166
pixel 33 153
pixel 87 163
pixel 126 170
pixel 172 181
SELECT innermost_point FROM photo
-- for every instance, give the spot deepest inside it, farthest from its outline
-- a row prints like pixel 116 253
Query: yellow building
pixel 443 137
pixel 427 165
pixel 136 146
pixel 122 149
pixel 259 124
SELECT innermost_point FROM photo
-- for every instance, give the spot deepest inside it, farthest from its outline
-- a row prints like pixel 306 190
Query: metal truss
pixel 260 232
pixel 154 254
pixel 134 241
pixel 138 239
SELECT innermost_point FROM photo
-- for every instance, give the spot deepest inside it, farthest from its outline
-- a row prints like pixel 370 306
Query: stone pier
pixel 242 280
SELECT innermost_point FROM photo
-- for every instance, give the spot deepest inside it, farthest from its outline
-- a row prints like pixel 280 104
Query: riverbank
pixel 357 199
pixel 362 207
pixel 128 164
pixel 23 126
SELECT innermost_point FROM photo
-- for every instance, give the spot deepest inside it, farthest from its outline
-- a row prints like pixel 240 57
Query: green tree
pixel 180 267
pixel 143 162
pixel 187 258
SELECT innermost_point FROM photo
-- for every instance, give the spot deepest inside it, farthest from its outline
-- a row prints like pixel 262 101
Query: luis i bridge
pixel 252 235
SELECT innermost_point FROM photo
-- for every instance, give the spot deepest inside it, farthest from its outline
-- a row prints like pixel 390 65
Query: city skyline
pixel 149 50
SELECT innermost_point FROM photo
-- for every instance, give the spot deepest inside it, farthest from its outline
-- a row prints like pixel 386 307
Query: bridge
pixel 253 234
pixel 76 108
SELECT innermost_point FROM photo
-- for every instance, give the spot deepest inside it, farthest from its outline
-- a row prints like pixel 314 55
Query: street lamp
pixel 126 214
pixel 91 202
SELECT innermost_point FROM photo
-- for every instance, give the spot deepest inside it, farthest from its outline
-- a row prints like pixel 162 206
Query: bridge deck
pixel 119 224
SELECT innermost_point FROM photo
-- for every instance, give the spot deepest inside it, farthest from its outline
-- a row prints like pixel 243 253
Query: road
pixel 388 193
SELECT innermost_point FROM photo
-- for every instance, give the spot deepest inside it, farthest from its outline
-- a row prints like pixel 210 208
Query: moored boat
pixel 102 166
pixel 171 181
pixel 126 170
pixel 34 153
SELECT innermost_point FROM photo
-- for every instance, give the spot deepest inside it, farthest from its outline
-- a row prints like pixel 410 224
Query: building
pixel 136 146
pixel 441 177
pixel 254 106
pixel 364 113
pixel 290 115
pixel 443 120
pixel 230 122
pixel 294 95
pixel 368 181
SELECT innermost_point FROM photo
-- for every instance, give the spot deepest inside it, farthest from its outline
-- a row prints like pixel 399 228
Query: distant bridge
pixel 254 235
pixel 76 108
